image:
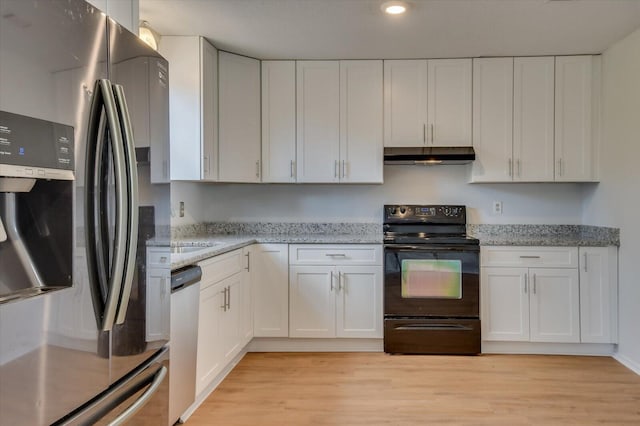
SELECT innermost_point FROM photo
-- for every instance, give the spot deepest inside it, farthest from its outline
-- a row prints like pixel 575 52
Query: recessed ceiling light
pixel 394 7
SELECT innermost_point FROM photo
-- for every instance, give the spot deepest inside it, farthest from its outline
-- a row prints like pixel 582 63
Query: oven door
pixel 431 281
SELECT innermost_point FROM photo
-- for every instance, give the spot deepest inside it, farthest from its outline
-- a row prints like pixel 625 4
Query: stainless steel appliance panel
pixel 52 52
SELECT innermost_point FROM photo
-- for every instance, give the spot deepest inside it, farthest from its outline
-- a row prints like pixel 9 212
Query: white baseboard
pixel 628 362
pixel 283 344
pixel 597 349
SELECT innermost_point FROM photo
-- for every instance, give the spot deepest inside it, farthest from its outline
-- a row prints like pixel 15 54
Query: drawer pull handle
pixel 336 255
pixel 529 257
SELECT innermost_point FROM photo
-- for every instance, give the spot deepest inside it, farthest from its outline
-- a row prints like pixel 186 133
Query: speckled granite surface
pixel 219 238
pixel 274 228
pixel 545 235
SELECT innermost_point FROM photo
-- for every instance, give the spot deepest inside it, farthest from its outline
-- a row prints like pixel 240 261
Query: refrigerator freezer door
pixel 137 71
pixel 52 53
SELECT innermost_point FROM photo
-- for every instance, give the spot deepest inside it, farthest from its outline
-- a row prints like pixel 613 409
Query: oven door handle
pixel 430 248
pixel 446 327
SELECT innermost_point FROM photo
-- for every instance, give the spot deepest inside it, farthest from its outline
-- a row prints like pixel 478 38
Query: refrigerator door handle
pixel 99 268
pixel 132 200
pixel 144 398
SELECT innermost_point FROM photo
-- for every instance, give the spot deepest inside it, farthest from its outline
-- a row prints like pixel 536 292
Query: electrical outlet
pixel 181 208
pixel 497 207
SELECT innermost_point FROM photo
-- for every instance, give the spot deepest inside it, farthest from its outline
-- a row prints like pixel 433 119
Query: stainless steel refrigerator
pixel 84 196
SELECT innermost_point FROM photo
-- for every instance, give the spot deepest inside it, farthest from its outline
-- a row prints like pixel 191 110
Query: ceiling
pixel 357 29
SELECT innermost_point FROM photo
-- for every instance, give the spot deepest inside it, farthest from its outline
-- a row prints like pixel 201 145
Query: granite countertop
pixel 212 239
pixel 545 235
pixel 219 238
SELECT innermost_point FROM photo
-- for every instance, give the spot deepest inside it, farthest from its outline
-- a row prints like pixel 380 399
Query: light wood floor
pixel 380 389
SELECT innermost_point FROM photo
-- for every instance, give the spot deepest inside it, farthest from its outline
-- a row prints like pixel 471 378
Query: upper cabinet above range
pixel 427 102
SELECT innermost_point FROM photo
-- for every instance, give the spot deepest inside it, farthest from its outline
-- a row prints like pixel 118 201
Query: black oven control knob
pixel 393 210
pixel 403 210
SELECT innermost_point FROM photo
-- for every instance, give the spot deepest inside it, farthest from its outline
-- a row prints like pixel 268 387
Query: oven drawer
pixel 341 254
pixel 547 257
pixel 432 336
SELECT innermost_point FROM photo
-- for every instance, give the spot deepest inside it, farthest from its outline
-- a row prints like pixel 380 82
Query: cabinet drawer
pixel 220 267
pixel 158 257
pixel 551 257
pixel 347 254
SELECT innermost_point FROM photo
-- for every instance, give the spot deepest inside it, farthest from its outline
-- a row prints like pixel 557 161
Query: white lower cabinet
pixel 599 294
pixel 269 265
pixel 224 309
pixel 330 296
pixel 534 303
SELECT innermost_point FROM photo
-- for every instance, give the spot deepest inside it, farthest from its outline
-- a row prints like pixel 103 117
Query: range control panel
pixel 424 213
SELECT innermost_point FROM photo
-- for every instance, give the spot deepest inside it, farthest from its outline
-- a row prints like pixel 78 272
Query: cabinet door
pixel 246 298
pixel 158 304
pixel 209 358
pixel 270 277
pixel 231 333
pixel 449 102
pixel 505 304
pixel 239 118
pixel 361 120
pixel 184 54
pixel 405 103
pixel 209 117
pixel 159 120
pixel 573 104
pixel 359 302
pixel 598 294
pixel 533 116
pixel 554 305
pixel 493 119
pixel 318 121
pixel 278 121
pixel 312 305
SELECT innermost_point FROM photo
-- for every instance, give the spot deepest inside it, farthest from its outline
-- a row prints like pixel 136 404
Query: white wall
pixel 616 200
pixel 522 203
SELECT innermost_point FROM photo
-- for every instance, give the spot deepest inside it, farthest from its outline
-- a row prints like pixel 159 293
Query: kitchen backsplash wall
pixel 556 203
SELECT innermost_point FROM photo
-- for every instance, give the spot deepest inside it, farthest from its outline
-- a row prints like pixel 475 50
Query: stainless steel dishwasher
pixel 185 292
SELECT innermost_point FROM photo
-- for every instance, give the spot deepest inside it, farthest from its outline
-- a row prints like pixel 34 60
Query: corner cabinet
pixel 537 294
pixel 339 121
pixel 536 119
pixel 223 315
pixel 269 265
pixel 335 291
pixel 427 102
pixel 193 105
pixel 239 118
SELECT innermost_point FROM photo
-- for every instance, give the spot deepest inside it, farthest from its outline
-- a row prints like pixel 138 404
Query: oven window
pixel 430 278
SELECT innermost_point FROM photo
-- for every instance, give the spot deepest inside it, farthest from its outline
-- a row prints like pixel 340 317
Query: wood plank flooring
pixel 379 389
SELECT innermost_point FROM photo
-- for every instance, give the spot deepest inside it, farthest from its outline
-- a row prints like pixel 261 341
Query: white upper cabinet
pixel 574 117
pixel 239 118
pixel 361 151
pixel 533 119
pixel 278 121
pixel 318 121
pixel 493 119
pixel 449 102
pixel 193 107
pixel 427 102
pixel 405 103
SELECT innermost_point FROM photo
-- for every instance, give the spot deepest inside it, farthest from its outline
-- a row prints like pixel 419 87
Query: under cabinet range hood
pixel 429 156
